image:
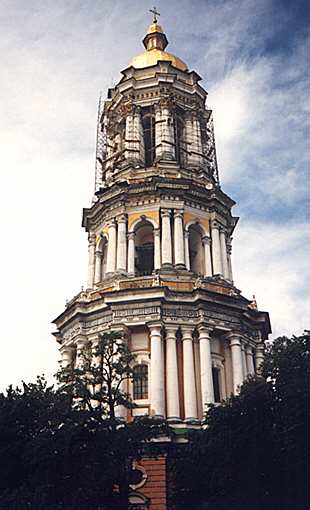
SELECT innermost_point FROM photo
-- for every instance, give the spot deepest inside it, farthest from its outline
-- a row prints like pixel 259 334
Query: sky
pixel 57 56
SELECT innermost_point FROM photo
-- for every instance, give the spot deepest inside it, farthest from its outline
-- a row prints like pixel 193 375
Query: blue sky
pixel 253 56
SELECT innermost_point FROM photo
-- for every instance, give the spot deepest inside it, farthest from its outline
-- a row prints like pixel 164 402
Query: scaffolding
pixel 100 146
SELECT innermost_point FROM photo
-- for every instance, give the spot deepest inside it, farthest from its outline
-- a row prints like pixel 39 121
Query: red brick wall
pixel 155 487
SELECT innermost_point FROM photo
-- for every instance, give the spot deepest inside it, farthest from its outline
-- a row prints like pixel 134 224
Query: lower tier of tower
pixel 195 341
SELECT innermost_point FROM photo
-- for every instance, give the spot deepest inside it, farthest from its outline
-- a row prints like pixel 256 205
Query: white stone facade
pixel 159 250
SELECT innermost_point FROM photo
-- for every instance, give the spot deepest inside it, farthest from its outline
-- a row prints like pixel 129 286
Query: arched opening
pixel 196 250
pixel 216 384
pixel 140 382
pixel 144 249
pixel 148 124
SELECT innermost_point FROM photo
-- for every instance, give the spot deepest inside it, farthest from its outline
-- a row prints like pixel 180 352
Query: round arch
pixel 143 219
pixel 196 222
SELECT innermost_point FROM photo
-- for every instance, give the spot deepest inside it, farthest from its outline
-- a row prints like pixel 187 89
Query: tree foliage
pixel 63 448
pixel 254 449
pixel 95 383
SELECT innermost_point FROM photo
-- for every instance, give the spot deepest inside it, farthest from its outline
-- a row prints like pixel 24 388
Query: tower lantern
pixel 159 243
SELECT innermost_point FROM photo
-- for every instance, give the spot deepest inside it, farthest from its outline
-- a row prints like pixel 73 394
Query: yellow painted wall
pixel 153 215
pixel 190 216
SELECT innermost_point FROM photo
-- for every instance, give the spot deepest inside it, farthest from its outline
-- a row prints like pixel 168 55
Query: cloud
pixel 270 261
pixel 56 58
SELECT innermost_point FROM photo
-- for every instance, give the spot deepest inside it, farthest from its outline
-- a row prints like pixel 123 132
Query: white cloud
pixel 270 261
pixel 56 57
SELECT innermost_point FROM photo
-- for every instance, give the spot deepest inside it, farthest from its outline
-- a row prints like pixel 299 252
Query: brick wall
pixel 155 487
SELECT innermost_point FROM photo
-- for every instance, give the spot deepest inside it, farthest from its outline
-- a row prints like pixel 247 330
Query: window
pixel 140 382
pixel 148 123
pixel 216 384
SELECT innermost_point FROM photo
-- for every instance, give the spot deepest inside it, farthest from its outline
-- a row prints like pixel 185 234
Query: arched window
pixel 216 384
pixel 196 250
pixel 140 382
pixel 144 244
pixel 148 123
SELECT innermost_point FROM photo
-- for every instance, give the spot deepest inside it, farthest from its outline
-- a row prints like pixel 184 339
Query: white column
pixel 157 263
pixel 249 360
pixel 207 390
pixel 91 260
pixel 98 266
pixel 229 250
pixel 121 411
pixel 224 254
pixel 179 255
pixel 236 355
pixel 122 243
pixel 207 248
pixel 158 133
pixel 131 254
pixel 67 356
pixel 166 242
pixel 168 143
pixel 157 372
pixel 80 352
pixel 190 400
pixel 186 249
pixel 216 249
pixel 259 357
pixel 244 365
pixel 96 362
pixel 111 260
pixel 172 382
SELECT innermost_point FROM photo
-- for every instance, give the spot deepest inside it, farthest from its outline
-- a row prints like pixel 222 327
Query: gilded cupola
pixel 155 43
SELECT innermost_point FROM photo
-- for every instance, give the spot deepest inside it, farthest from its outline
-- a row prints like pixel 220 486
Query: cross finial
pixel 155 13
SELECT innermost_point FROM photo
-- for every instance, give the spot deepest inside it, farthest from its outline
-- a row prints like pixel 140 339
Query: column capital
pixel 92 238
pixel 81 343
pixel 215 224
pixel 206 240
pixel 187 333
pixel 186 234
pixel 98 252
pixel 249 349
pixel 165 213
pixel 112 223
pixel 122 218
pixel 171 330
pixel 67 348
pixel 156 327
pixel 178 213
pixel 157 232
pixel 131 236
pixel 204 331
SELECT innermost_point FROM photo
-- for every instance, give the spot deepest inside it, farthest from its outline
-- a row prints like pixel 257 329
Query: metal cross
pixel 154 11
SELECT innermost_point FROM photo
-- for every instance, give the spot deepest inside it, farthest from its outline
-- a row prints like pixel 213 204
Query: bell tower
pixel 159 242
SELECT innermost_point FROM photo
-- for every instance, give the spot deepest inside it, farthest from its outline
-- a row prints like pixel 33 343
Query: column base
pixel 192 421
pixel 180 266
pixel 167 265
pixel 174 419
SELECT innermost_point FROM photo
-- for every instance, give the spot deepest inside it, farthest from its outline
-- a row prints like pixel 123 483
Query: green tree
pixel 254 450
pixel 96 383
pixel 63 449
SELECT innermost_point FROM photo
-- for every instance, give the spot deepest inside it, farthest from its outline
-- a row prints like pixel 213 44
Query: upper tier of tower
pixel 155 122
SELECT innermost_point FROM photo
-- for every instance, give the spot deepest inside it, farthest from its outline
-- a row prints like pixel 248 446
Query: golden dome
pixel 155 43
pixel 151 57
